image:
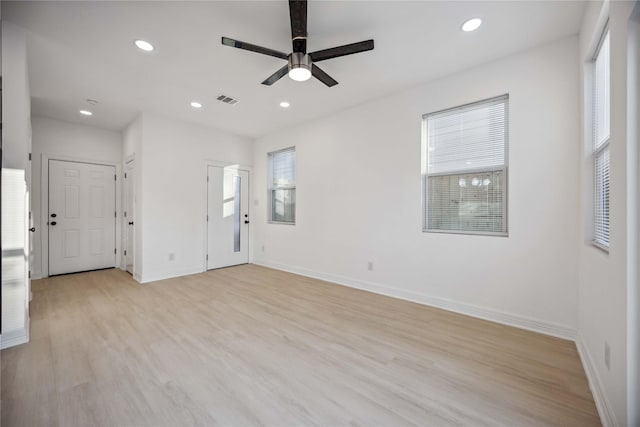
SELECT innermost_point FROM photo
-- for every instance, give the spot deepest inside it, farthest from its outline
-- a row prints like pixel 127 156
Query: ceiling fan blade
pixel 276 76
pixel 253 48
pixel 322 76
pixel 298 16
pixel 347 49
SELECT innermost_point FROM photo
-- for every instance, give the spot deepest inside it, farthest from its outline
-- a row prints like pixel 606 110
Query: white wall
pixel 16 145
pixel 633 220
pixel 173 185
pixel 16 101
pixel 67 141
pixel 359 198
pixel 603 288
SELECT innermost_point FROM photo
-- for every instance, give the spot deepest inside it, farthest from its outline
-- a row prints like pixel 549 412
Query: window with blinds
pixel 465 168
pixel 601 137
pixel 282 186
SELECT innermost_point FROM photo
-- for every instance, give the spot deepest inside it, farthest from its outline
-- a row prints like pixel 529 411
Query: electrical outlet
pixel 171 256
pixel 370 266
pixel 607 355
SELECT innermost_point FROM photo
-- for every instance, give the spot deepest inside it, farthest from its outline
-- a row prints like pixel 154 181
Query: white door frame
pixel 205 194
pixel 44 204
pixel 129 165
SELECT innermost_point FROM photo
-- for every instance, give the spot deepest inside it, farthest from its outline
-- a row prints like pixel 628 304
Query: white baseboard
pixel 11 339
pixel 607 416
pixel 485 313
pixel 168 274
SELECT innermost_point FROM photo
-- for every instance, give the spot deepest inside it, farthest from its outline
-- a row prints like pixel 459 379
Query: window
pixel 282 186
pixel 601 134
pixel 465 168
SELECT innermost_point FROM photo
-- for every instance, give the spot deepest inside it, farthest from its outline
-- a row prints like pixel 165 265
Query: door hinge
pixel 125 252
pixel 29 156
pixel 207 257
pixel 207 178
pixel 115 251
pixel 125 175
pixel 207 217
pixel 115 214
pixel 125 214
pixel 115 177
pixel 29 274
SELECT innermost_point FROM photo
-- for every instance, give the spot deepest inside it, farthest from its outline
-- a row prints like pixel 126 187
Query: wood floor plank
pixel 253 346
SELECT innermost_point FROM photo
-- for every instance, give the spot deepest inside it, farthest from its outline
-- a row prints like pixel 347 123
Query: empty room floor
pixel 249 345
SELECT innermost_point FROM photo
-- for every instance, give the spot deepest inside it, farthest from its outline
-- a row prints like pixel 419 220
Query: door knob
pixel 53 215
pixel 53 223
pixel 131 223
pixel 32 229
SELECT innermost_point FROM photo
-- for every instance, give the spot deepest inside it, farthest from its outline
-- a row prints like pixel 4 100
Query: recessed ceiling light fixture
pixel 284 104
pixel 86 113
pixel 144 45
pixel 471 24
pixel 196 104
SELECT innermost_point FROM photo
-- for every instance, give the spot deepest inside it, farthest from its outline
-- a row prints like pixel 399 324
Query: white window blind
pixel 601 138
pixel 466 170
pixel 282 186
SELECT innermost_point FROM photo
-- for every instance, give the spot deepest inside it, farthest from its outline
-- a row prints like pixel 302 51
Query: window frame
pixel 596 152
pixel 271 188
pixel 504 169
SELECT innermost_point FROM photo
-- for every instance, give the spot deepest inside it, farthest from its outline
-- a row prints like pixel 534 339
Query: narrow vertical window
pixel 465 168
pixel 601 139
pixel 282 186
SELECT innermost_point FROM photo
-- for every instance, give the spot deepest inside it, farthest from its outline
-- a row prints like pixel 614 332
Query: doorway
pixel 227 216
pixel 81 217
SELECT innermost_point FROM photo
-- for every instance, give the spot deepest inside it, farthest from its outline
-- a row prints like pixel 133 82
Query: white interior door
pixel 228 216
pixel 82 223
pixel 129 215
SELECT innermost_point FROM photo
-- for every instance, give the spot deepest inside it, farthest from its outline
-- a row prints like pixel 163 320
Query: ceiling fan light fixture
pixel 299 66
pixel 300 74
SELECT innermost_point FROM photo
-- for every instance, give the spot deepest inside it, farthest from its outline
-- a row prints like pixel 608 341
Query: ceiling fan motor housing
pixel 300 60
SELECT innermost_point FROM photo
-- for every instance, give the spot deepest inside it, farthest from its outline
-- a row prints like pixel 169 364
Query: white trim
pixel 13 338
pixel 607 416
pixel 162 275
pixel 509 319
pixel 44 205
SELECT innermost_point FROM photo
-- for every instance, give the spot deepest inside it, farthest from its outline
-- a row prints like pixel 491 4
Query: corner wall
pixel 603 286
pixel 359 198
pixel 173 185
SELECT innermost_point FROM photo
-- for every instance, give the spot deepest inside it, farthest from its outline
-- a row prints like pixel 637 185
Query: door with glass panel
pixel 227 216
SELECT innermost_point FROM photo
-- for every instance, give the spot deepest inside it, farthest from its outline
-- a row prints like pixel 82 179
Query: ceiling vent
pixel 227 99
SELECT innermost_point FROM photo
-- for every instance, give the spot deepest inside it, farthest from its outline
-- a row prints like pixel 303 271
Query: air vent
pixel 227 99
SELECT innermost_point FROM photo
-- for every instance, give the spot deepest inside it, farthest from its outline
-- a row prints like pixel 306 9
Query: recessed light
pixel 86 113
pixel 196 104
pixel 144 45
pixel 284 104
pixel 471 24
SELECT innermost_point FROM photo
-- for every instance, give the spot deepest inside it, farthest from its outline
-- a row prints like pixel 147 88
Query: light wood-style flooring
pixel 248 346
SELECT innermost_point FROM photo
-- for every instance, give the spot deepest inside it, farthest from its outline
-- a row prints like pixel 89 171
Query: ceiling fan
pixel 301 65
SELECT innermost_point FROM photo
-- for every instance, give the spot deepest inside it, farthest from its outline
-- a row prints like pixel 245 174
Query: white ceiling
pixel 80 50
